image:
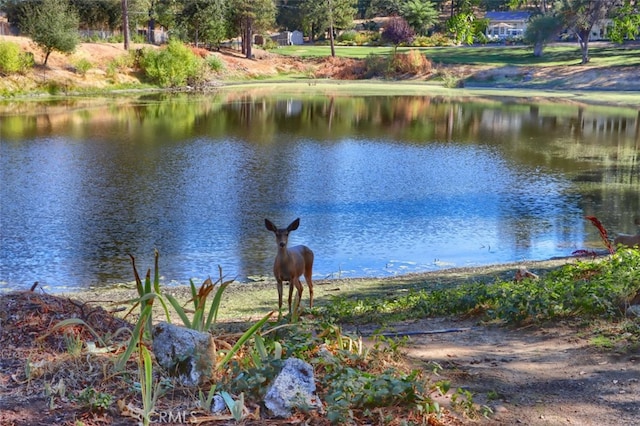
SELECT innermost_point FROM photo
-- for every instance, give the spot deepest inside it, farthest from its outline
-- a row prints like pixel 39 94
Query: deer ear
pixel 270 226
pixel 294 225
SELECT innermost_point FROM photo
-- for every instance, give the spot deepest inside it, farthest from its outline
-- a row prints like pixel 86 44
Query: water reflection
pixel 384 185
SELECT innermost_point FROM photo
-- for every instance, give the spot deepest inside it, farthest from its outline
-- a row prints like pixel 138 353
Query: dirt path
pixel 532 376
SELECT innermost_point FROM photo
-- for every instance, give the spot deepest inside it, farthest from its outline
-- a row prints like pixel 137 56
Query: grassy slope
pixel 555 55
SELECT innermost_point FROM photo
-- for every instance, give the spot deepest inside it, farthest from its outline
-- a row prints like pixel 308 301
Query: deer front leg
pixel 280 298
pixel 290 294
pixel 299 290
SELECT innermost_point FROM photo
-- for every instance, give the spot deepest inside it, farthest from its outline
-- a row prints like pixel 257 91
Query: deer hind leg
pixel 308 272
pixel 298 285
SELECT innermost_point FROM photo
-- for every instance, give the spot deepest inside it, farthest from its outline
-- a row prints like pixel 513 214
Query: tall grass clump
pixel 175 65
pixel 13 59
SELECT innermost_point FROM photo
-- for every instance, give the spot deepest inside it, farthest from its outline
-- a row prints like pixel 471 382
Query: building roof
pixel 507 16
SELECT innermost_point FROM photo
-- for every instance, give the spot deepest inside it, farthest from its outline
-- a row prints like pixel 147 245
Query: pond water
pixel 384 185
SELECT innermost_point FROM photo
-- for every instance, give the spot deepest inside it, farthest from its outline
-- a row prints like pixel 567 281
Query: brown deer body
pixel 627 240
pixel 291 263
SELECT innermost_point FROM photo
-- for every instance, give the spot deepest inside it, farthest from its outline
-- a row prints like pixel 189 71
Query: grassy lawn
pixel 555 55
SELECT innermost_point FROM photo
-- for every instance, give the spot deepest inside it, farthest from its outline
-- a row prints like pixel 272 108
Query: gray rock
pixel 188 354
pixel 218 405
pixel 633 310
pixel 293 388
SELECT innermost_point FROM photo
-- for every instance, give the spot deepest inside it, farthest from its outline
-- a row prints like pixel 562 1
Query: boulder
pixel 294 387
pixel 188 354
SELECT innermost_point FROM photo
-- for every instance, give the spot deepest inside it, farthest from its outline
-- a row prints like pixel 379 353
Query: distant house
pixel 504 25
pixel 288 38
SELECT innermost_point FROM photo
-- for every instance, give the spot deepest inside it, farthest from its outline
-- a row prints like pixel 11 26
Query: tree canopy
pixel 52 25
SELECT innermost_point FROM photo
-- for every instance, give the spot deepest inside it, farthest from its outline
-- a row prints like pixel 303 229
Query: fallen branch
pixel 417 333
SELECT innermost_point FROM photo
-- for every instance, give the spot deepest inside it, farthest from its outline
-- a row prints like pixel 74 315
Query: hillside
pixel 61 72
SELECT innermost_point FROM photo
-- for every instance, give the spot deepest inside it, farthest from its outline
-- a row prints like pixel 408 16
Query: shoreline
pixel 236 306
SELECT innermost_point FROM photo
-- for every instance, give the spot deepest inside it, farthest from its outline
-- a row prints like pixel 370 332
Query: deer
pixel 290 264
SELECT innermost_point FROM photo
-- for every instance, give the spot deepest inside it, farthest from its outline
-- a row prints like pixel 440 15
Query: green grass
pixel 555 55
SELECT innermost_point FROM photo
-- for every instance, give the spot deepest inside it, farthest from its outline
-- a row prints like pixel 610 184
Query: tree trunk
pixel 249 42
pixel 583 38
pixel 538 48
pixel 125 24
pixel 331 41
pixel 333 48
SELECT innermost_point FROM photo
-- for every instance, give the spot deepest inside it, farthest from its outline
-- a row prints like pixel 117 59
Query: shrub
pixel 368 37
pixel 412 62
pixel 270 44
pixel 172 66
pixel 12 59
pixel 376 65
pixel 435 40
pixel 82 66
pixel 214 63
pixel 347 37
pixel 122 63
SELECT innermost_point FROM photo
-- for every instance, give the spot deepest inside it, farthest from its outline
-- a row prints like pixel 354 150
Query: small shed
pixel 288 38
pixel 297 38
pixel 506 24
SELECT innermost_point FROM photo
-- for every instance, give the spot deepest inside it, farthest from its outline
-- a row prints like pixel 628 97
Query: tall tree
pixel 542 29
pixel 52 25
pixel 420 14
pixel 203 21
pixel 580 16
pixel 98 14
pixel 383 8
pixel 125 24
pixel 327 15
pixel 248 17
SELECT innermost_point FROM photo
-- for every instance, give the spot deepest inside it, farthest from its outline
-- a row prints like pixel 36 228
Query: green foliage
pixel 347 37
pixel 420 14
pixel 461 28
pixel 82 66
pixel 352 388
pixel 203 318
pixel 435 40
pixel 626 23
pixel 148 391
pixel 174 66
pixel 203 21
pixel 206 400
pixel 367 38
pixel 94 401
pixel 541 30
pixel 13 59
pixel 52 25
pixel 121 64
pixel 589 289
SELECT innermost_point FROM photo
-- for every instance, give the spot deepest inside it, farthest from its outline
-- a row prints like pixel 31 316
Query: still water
pixel 383 185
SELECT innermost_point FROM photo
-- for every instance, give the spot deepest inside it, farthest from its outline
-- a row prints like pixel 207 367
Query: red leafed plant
pixel 603 232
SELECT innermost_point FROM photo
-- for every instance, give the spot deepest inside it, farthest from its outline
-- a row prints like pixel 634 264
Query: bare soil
pixel 543 375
